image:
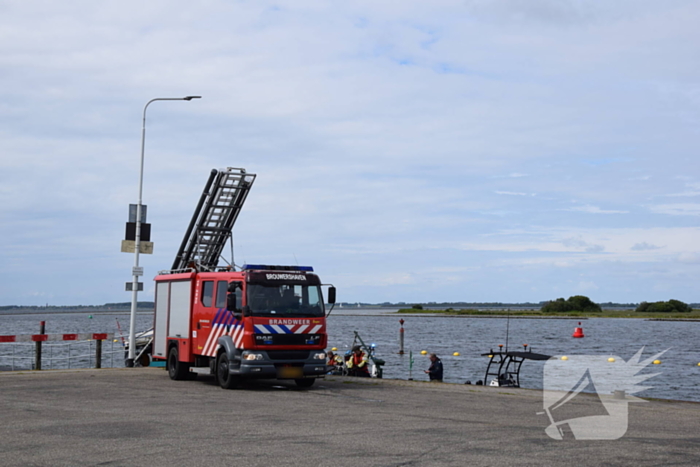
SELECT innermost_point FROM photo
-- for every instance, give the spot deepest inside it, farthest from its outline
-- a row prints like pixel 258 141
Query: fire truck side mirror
pixel 231 301
pixel 331 295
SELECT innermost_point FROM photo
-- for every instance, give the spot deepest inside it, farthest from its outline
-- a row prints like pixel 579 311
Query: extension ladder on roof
pixel 217 211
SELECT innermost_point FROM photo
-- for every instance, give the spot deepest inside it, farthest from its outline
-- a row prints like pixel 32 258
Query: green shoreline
pixel 692 316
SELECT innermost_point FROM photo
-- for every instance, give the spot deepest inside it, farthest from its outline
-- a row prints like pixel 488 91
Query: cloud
pixel 587 286
pixel 593 210
pixel 644 246
pixel 399 139
pixel 574 242
pixel 511 193
pixel 689 257
pixel 681 209
pixel 578 243
pixel 614 241
pixel 512 175
pixel 606 161
pixel 692 189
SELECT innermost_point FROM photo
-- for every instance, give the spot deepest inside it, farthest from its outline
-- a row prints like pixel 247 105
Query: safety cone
pixel 578 331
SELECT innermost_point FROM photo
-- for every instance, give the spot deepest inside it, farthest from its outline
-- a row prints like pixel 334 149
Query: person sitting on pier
pixel 357 363
pixel 332 358
pixel 335 363
pixel 435 370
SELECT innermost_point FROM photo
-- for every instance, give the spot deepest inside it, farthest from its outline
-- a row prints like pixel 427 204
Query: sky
pixel 478 151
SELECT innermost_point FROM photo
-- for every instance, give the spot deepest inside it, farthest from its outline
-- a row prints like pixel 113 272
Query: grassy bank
pixel 611 313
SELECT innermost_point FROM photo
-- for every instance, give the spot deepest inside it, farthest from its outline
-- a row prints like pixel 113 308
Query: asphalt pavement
pixel 139 417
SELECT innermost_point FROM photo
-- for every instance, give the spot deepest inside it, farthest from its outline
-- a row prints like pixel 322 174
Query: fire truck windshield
pixel 285 300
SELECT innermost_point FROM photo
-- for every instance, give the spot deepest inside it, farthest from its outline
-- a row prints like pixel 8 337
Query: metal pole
pixel 401 321
pixel 137 244
pixel 98 353
pixel 37 353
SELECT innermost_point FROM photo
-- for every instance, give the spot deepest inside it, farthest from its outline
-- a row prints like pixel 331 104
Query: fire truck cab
pixel 261 322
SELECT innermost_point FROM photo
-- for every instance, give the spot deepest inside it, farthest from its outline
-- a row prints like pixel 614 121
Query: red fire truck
pixel 261 321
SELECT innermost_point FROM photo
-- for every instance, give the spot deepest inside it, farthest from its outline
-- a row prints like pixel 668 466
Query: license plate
pixel 290 372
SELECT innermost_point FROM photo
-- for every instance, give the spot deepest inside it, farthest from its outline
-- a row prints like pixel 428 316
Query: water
pixel 470 336
pixel 66 354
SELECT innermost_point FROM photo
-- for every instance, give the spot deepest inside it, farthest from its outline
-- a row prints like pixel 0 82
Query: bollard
pixel 401 321
pixel 98 353
pixel 37 353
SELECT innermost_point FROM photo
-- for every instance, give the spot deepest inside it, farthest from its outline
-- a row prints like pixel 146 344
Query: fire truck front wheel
pixel 305 382
pixel 223 375
pixel 177 370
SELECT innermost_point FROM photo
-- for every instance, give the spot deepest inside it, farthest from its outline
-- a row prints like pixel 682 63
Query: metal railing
pixel 60 355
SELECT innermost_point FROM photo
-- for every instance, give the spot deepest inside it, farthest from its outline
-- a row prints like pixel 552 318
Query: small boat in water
pixel 504 366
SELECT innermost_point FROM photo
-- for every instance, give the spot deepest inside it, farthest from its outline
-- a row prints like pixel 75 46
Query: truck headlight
pixel 253 356
pixel 319 356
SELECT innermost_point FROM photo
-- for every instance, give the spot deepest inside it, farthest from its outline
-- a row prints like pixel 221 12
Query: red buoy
pixel 578 331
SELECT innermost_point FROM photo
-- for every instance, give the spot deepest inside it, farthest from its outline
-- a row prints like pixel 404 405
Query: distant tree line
pixel 671 306
pixel 577 303
pixel 128 305
pixel 583 304
pixel 453 304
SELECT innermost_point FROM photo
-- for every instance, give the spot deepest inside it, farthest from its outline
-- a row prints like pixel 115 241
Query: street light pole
pixel 137 243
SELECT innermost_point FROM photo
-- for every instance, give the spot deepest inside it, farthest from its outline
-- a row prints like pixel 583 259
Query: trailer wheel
pixel 305 382
pixel 226 380
pixel 145 359
pixel 177 370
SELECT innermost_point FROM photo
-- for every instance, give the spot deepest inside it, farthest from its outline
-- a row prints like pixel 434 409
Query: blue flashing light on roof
pixel 267 267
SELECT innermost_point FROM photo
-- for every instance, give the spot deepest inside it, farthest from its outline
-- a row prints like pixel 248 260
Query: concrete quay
pixel 139 417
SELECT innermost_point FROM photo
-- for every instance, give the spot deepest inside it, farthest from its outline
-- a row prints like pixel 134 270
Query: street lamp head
pixel 189 98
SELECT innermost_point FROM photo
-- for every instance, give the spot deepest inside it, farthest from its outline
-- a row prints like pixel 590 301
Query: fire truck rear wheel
pixel 177 370
pixel 305 382
pixel 223 376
